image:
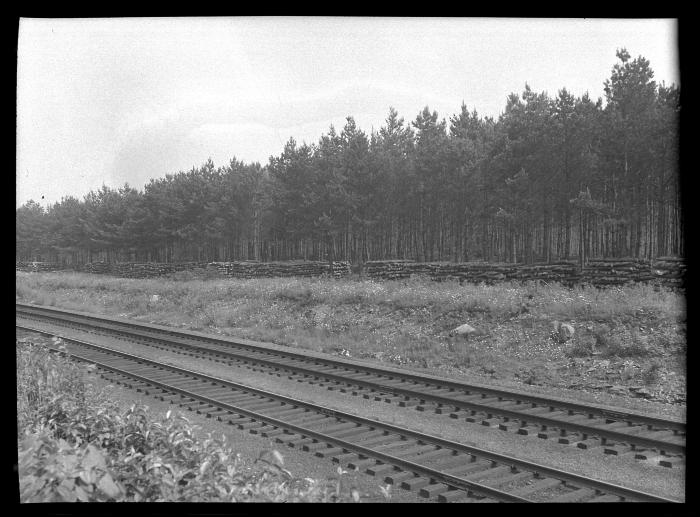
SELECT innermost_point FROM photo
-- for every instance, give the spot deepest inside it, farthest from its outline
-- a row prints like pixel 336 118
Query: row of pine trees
pixel 553 178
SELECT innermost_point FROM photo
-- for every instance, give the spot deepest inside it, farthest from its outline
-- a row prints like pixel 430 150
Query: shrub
pixel 651 373
pixel 76 445
pixel 580 347
pixel 52 469
pixel 625 344
pixel 47 383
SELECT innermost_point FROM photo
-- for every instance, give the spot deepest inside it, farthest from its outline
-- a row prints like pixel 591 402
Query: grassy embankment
pixel 629 340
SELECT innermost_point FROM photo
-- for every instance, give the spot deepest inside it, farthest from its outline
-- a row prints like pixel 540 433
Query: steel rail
pixel 417 378
pixel 407 465
pixel 583 428
pixel 446 401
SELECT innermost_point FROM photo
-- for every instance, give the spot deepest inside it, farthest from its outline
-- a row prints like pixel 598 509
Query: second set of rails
pixel 585 426
pixel 435 467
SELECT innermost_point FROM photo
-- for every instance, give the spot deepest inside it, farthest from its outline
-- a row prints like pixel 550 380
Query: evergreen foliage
pixel 550 179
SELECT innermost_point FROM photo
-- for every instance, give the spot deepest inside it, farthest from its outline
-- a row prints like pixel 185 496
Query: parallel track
pixel 582 425
pixel 435 467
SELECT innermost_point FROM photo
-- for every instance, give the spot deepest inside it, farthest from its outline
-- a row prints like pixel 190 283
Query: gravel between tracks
pixel 600 398
pixel 301 464
pixel 623 471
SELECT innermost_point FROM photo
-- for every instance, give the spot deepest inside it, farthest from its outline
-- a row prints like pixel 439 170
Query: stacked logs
pixel 34 267
pixel 472 272
pixel 251 269
pixel 97 268
pixel 223 269
pixel 152 269
pixel 477 272
pixel 614 272
pixel 562 272
pixel 391 269
pixel 139 269
pixel 668 271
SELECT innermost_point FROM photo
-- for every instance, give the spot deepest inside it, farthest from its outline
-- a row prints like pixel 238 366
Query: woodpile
pixel 472 272
pixel 388 269
pixel 668 271
pixel 97 268
pixel 562 272
pixel 478 272
pixel 614 272
pixel 222 269
pixel 250 269
pixel 142 269
pixel 139 269
pixel 34 267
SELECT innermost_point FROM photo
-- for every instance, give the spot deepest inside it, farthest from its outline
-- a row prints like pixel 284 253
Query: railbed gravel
pixel 601 398
pixel 640 475
pixel 301 464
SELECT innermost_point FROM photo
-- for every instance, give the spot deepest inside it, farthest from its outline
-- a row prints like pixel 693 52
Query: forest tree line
pixel 552 178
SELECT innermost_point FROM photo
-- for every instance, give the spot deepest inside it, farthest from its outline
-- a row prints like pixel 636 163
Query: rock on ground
pixel 463 330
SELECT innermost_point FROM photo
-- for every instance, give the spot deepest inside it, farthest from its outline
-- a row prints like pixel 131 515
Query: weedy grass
pixel 586 302
pixel 404 322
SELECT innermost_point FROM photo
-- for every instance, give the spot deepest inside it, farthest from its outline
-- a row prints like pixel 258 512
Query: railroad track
pixel 437 468
pixel 594 428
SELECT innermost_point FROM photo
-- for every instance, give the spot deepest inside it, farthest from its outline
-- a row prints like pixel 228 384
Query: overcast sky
pixel 109 101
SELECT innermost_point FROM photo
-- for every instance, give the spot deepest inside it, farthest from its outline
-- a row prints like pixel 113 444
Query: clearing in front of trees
pixel 628 342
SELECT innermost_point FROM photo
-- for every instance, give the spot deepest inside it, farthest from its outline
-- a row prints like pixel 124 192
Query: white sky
pixel 109 101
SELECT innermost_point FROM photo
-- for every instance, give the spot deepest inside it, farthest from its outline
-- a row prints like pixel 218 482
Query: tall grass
pixel 406 322
pixel 500 299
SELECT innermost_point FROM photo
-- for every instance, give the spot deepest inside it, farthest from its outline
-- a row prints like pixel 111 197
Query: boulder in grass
pixel 566 332
pixel 638 391
pixel 563 332
pixel 463 330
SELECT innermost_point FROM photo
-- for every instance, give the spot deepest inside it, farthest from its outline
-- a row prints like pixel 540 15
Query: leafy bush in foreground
pixel 78 446
pixel 48 384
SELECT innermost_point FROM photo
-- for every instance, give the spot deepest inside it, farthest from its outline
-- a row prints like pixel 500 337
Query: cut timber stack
pixel 97 268
pixel 34 267
pixel 563 272
pixel 614 272
pixel 224 269
pixel 489 273
pixel 140 269
pixel 388 269
pixel 466 272
pixel 251 269
pixel 668 271
pixel 152 269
